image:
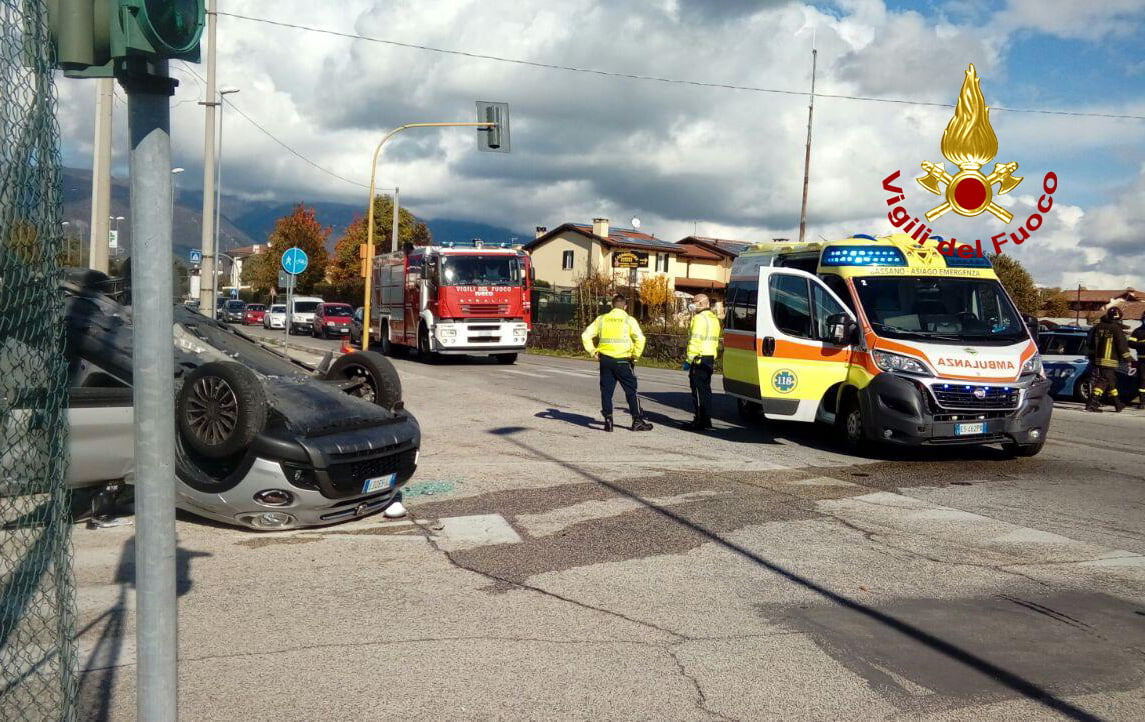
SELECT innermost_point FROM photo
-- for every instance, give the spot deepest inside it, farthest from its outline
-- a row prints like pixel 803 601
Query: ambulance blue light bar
pixel 862 256
pixel 953 260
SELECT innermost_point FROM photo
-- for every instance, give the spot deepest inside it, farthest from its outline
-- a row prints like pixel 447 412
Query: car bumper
pixel 275 323
pixel 341 330
pixel 896 411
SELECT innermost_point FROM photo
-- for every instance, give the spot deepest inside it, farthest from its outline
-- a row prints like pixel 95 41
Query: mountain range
pixel 241 222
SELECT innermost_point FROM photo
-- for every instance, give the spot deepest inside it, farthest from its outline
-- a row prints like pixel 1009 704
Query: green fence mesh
pixel 37 651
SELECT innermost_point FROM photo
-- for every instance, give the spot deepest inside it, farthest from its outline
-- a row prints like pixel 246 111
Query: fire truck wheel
pixel 505 358
pixel 423 350
pixel 385 345
pixel 220 409
pixel 379 382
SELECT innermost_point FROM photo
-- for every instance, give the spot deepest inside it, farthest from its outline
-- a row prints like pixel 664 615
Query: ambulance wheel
pixel 1024 450
pixel 749 411
pixel 852 426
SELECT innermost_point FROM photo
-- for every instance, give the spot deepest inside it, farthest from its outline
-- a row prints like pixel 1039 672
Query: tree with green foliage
pixel 1052 302
pixel 1017 281
pixel 298 228
pixel 345 266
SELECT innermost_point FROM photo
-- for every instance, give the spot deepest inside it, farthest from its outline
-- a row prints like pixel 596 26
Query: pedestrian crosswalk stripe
pixel 525 373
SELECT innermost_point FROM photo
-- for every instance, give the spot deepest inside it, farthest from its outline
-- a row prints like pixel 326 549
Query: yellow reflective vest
pixel 704 336
pixel 618 336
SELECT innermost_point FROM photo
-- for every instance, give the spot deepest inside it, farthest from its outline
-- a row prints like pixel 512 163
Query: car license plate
pixel 969 429
pixel 379 483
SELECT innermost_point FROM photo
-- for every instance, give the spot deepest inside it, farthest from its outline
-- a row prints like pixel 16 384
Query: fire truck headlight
pixel 446 332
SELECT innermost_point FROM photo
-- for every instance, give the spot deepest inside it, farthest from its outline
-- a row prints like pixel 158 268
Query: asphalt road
pixel 551 571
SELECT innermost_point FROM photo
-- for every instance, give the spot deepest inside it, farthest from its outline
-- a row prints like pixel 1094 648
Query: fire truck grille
pixel 485 309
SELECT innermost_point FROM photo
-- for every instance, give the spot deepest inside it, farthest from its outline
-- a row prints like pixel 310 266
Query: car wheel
pixel 1024 450
pixel 379 381
pixel 221 408
pixel 749 411
pixel 852 426
pixel 506 358
pixel 1082 388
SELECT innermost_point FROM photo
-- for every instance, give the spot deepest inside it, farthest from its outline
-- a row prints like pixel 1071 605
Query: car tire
pixel 382 384
pixel 852 426
pixel 1082 388
pixel 507 359
pixel 384 344
pixel 423 351
pixel 1024 450
pixel 220 409
pixel 749 411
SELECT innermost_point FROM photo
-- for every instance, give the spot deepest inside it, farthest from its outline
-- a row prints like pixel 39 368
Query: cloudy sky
pixel 726 162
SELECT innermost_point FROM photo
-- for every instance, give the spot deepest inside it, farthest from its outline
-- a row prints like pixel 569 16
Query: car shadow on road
pixel 910 632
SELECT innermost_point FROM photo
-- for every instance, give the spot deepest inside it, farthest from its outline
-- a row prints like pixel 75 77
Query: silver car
pixel 263 441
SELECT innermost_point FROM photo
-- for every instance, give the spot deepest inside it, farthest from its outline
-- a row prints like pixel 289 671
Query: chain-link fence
pixel 37 652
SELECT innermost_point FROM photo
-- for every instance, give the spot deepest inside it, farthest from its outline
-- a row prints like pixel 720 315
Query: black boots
pixel 608 422
pixel 1118 404
pixel 702 422
pixel 1093 404
pixel 638 422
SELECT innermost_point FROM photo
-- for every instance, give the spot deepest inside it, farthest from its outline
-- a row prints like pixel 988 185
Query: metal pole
pixel 149 124
pixel 218 192
pixel 807 156
pixel 101 176
pixel 207 292
pixel 370 214
pixel 394 233
pixel 1077 315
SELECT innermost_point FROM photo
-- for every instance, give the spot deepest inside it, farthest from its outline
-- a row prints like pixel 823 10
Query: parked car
pixel 1065 358
pixel 253 314
pixel 302 315
pixel 275 317
pixel 220 301
pixel 233 311
pixel 332 319
pixel 262 441
pixel 356 324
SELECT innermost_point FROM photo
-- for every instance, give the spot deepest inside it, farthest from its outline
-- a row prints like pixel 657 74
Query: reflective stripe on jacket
pixel 618 335
pixel 704 335
pixel 1108 347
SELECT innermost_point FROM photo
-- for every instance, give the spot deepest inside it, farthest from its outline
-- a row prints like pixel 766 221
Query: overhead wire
pixel 656 78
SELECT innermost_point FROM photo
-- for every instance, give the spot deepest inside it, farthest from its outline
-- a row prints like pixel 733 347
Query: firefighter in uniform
pixel 619 342
pixel 1137 343
pixel 700 361
pixel 1107 349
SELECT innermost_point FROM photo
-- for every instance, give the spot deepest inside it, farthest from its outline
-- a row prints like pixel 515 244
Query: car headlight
pixel 897 362
pixel 446 332
pixel 331 323
pixel 1033 365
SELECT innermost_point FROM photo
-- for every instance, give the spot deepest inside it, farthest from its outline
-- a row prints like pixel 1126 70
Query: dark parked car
pixel 356 327
pixel 233 311
pixel 332 319
pixel 262 440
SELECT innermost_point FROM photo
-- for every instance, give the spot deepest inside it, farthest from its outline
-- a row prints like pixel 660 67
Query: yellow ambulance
pixel 887 340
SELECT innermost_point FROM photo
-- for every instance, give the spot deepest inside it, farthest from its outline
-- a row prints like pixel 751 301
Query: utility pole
pixel 149 123
pixel 807 156
pixel 207 289
pixel 394 232
pixel 101 175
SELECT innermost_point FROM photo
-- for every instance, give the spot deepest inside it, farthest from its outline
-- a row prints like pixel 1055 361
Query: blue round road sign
pixel 294 260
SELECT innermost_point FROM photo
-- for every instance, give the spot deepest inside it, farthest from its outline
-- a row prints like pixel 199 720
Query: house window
pixel 567 261
pixel 662 262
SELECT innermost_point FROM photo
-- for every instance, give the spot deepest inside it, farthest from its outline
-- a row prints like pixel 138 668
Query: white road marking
pixel 578 374
pixel 524 373
pixel 821 481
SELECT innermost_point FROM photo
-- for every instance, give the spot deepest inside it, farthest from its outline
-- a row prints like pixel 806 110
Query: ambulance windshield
pixel 941 310
pixel 476 270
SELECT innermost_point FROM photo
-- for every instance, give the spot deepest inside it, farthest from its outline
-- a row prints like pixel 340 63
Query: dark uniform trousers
pixel 612 372
pixel 1105 382
pixel 700 378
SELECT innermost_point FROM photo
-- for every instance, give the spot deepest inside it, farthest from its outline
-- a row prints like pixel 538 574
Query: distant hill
pixel 243 222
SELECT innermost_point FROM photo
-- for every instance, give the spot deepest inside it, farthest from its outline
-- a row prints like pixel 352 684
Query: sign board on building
pixel 630 259
pixel 113 239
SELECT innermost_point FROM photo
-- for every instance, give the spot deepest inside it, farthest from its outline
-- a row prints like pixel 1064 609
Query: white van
pixel 301 315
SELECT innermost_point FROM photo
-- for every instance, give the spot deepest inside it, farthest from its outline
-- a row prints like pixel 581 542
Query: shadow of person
pixel 587 422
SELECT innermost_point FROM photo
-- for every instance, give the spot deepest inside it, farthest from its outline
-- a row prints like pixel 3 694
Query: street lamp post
pixel 219 198
pixel 366 330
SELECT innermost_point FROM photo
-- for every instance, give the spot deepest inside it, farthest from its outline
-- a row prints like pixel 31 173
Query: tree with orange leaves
pixel 299 228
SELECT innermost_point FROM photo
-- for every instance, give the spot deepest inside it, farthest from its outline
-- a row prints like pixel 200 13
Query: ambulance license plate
pixel 379 483
pixel 969 429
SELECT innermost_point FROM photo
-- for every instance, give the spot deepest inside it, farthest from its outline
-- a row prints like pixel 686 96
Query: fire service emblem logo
pixel 969 143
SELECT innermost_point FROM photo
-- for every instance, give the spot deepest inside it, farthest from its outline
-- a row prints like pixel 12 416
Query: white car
pixel 275 316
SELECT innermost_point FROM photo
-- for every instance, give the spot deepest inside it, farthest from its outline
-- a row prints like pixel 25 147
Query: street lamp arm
pixel 370 214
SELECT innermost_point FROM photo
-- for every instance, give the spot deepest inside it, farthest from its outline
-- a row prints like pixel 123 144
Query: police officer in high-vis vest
pixel 1107 349
pixel 1137 343
pixel 619 342
pixel 700 361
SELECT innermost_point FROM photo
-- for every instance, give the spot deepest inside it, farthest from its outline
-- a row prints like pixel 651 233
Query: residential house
pixel 568 253
pixel 239 256
pixel 705 266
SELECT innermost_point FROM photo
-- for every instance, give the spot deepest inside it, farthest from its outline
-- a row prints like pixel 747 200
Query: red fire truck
pixel 453 298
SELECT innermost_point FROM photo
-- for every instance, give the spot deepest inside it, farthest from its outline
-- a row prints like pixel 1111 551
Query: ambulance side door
pixel 801 356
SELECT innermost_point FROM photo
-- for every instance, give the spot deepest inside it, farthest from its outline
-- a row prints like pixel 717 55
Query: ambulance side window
pixel 791 305
pixel 839 287
pixel 825 307
pixel 741 302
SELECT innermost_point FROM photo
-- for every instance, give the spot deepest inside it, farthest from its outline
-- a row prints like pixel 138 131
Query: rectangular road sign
pixel 196 255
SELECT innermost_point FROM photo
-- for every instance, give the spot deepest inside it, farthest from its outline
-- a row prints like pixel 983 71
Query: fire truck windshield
pixel 475 270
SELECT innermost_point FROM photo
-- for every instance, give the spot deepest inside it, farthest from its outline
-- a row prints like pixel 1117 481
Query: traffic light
pixel 495 138
pixel 95 38
pixel 362 255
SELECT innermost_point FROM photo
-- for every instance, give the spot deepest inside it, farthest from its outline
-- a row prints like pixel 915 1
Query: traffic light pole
pixel 366 320
pixel 149 123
